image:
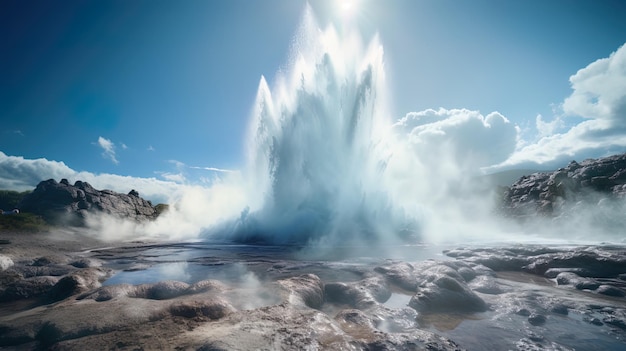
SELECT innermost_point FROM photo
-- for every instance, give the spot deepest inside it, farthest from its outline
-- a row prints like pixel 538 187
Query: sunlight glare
pixel 347 8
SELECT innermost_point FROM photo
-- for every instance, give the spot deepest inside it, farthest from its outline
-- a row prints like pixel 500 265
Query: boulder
pixel 307 289
pixel 401 274
pixel 5 262
pixel 28 288
pixel 71 204
pixel 360 295
pixel 446 294
pixel 212 309
pixel 164 290
pixel 76 283
pixel 486 285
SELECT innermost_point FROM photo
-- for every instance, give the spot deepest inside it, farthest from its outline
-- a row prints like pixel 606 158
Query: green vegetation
pixel 23 222
pixel 9 199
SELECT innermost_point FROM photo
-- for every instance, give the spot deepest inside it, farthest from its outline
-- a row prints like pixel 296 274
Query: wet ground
pixel 505 325
pixel 209 295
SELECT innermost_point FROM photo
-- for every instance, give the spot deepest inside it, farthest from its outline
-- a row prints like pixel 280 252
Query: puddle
pixel 398 300
pixel 181 271
pixel 234 274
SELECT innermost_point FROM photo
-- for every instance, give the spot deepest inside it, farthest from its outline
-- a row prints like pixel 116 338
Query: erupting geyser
pixel 319 152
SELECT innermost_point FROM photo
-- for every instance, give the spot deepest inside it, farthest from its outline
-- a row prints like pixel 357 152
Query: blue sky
pixel 151 89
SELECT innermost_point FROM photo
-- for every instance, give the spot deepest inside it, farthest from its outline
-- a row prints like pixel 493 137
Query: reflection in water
pixel 397 300
pixel 192 262
pixel 180 271
pixel 444 321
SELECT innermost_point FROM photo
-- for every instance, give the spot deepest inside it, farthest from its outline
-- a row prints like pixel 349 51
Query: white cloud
pixel 174 177
pixel 150 148
pixel 599 97
pixel 545 128
pixel 180 166
pixel 18 173
pixel 467 136
pixel 184 171
pixel 109 149
pixel 589 123
pixel 600 90
pixel 213 169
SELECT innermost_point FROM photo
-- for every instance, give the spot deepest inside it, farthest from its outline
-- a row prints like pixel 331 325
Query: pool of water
pixel 192 262
pixel 398 300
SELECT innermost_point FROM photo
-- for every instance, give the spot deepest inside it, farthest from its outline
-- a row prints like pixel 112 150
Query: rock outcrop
pixel 549 193
pixel 71 204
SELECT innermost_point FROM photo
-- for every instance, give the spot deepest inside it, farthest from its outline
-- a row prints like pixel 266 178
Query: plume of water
pixel 318 152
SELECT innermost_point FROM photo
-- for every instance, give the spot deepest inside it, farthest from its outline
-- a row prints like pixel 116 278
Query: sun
pixel 347 8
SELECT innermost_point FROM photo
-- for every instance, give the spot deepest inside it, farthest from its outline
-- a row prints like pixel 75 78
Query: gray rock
pixel 5 262
pixel 55 270
pixel 536 319
pixel 559 308
pixel 610 291
pixel 445 294
pixel 568 278
pixel 486 285
pixel 28 288
pixel 287 327
pixel 361 295
pixel 76 283
pixel 206 285
pixel 593 320
pixel 354 319
pixel 164 290
pixel 591 262
pixel 215 308
pixel 402 274
pixel 615 322
pixel 109 292
pixel 554 272
pixel 86 263
pixel 308 288
pixel 65 203
pixel 550 193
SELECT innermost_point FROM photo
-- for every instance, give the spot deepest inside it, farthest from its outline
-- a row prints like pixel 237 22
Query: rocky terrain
pixel 553 193
pixel 64 203
pixel 199 296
